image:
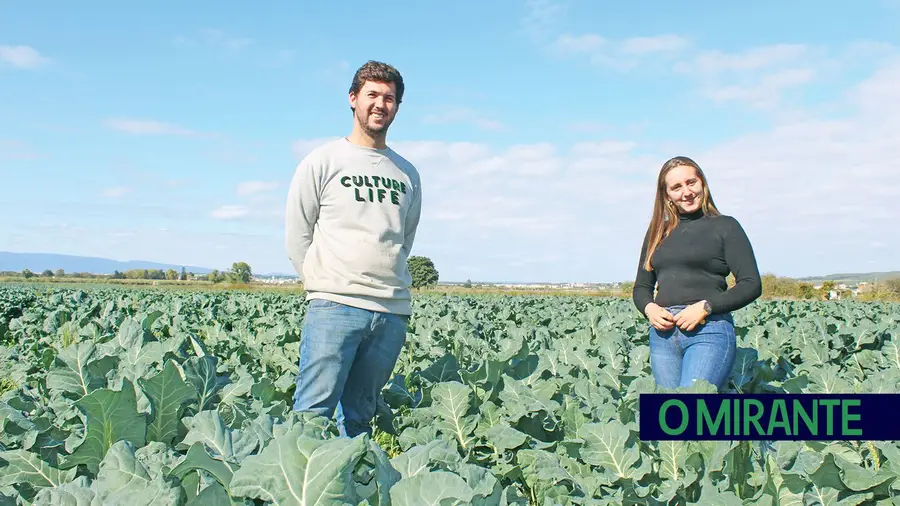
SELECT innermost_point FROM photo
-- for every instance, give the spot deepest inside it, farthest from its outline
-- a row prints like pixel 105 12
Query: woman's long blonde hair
pixel 665 214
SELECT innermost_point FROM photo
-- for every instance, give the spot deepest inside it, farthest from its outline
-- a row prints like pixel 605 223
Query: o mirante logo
pixel 767 417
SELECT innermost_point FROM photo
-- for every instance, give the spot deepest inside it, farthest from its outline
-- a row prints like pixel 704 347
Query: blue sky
pixel 170 134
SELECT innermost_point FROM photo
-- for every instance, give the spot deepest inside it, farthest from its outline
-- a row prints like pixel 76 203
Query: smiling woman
pixel 689 251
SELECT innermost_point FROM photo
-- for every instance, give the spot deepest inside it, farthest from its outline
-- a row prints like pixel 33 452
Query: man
pixel 352 213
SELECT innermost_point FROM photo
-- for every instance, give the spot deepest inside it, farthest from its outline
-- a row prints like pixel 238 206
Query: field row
pixel 114 394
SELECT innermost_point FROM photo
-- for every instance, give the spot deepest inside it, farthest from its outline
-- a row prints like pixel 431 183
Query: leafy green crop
pixel 113 395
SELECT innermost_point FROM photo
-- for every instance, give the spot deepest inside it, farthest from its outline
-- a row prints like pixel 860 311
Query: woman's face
pixel 684 189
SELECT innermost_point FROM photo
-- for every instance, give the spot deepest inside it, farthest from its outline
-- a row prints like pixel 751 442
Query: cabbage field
pixel 139 396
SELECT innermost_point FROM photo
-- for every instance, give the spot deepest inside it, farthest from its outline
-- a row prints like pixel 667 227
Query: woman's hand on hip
pixel 659 317
pixel 690 317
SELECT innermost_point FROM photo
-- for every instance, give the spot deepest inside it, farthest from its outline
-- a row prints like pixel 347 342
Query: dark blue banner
pixel 790 417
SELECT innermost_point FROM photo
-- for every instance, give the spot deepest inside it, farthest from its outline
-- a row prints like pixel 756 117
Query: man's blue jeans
pixel 347 355
pixel 677 358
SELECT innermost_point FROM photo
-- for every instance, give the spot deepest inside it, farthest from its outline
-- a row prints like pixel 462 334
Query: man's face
pixel 375 106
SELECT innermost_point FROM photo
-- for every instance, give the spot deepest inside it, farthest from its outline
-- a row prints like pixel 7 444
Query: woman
pixel 689 250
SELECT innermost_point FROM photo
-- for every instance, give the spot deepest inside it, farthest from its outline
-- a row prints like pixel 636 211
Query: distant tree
pixel 892 285
pixel 183 275
pixel 214 276
pixel 806 291
pixel 424 273
pixel 27 274
pixel 60 273
pixel 171 275
pixel 136 274
pixel 47 273
pixel 117 275
pixel 884 289
pixel 467 284
pixel 241 272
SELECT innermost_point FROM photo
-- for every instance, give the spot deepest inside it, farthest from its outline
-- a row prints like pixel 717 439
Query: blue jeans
pixel 677 358
pixel 347 355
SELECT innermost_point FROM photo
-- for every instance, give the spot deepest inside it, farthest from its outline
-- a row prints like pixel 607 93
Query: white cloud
pixel 22 57
pixel 255 187
pixel 16 150
pixel 150 127
pixel 117 192
pixel 231 47
pixel 754 59
pixel 624 54
pixel 541 17
pixel 762 76
pixel 462 115
pixel 262 214
pixel 767 92
pixel 122 234
pixel 230 212
pixel 822 181
pixel 757 77
pixel 878 94
pixel 585 43
pixel 451 152
pixel 657 44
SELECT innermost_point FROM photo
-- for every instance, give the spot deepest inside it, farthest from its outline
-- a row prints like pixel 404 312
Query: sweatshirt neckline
pixel 383 151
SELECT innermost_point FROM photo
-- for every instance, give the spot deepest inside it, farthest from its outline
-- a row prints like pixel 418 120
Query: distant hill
pixel 38 262
pixel 853 277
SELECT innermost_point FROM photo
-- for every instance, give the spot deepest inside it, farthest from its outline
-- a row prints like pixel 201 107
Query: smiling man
pixel 353 208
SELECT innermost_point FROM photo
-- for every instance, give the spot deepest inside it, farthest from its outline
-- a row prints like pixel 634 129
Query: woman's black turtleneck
pixel 693 262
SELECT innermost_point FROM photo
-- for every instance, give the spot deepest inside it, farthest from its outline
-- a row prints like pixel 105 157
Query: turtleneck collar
pixel 694 216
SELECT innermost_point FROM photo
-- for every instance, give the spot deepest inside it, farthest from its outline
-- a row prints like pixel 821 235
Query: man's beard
pixel 373 131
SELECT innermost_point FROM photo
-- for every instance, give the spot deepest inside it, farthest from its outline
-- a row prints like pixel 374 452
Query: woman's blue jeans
pixel 347 355
pixel 678 358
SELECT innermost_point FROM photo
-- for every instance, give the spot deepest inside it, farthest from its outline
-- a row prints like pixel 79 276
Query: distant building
pixel 276 280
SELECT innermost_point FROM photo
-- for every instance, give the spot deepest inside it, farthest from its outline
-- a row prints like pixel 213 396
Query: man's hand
pixel 659 317
pixel 691 316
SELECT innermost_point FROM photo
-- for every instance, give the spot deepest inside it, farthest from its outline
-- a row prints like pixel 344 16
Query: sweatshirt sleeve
pixel 742 262
pixel 412 220
pixel 644 281
pixel 304 195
